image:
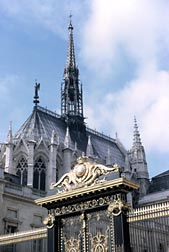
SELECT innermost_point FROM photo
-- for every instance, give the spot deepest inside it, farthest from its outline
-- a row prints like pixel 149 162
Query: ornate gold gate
pixel 88 211
pixel 86 232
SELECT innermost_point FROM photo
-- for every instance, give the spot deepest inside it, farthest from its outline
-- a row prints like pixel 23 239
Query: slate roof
pixel 166 173
pixel 42 122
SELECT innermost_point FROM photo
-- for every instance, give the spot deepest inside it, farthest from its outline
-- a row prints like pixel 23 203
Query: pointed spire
pixel 136 136
pixel 67 140
pixel 70 62
pixel 53 137
pixel 89 149
pixel 71 90
pixel 9 136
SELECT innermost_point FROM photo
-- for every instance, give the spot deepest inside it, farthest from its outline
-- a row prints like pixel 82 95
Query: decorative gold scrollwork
pixel 49 220
pixel 99 243
pixel 71 245
pixel 83 206
pixel 117 206
pixel 83 174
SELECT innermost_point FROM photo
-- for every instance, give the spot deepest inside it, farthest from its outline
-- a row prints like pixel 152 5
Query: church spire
pixel 137 162
pixel 70 62
pixel 136 137
pixel 71 90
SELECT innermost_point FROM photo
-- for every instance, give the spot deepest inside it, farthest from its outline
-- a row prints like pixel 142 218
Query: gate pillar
pixel 117 209
pixel 88 211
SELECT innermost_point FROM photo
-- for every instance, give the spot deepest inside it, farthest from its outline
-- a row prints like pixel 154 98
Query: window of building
pixel 37 221
pixel 37 245
pixel 39 174
pixel 22 170
pixel 12 213
pixel 11 229
pixel 161 247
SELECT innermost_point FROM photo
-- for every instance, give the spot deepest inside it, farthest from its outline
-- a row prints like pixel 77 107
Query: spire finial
pixel 36 96
pixel 9 136
pixel 71 54
pixel 70 19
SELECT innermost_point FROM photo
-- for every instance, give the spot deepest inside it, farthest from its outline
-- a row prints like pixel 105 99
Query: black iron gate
pixel 86 232
pixel 89 211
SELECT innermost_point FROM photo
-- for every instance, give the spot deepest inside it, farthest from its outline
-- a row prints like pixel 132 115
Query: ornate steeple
pixel 136 136
pixel 71 90
pixel 138 162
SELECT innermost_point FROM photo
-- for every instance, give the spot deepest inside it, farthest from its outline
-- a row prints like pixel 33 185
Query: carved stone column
pixel 31 162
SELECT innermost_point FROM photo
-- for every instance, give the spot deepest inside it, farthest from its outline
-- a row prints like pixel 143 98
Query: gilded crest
pixel 84 173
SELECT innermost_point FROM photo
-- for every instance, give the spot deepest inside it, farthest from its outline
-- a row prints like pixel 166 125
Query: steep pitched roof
pixel 42 122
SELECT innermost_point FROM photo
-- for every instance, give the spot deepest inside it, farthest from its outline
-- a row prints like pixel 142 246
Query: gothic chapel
pixel 47 144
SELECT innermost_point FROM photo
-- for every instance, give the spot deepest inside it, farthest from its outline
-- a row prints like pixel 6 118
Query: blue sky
pixel 122 50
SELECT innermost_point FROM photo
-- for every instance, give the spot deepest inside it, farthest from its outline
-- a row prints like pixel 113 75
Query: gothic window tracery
pixel 22 170
pixel 39 174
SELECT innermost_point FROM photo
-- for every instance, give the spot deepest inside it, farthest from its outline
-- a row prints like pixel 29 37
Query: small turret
pixel 52 172
pixel 67 153
pixel 138 162
pixel 9 152
pixel 67 141
pixel 53 137
pixel 89 149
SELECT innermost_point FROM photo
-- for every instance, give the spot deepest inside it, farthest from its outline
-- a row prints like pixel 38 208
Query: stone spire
pixel 89 149
pixel 136 137
pixel 9 151
pixel 71 90
pixel 70 62
pixel 67 153
pixel 9 136
pixel 67 141
pixel 138 161
pixel 53 137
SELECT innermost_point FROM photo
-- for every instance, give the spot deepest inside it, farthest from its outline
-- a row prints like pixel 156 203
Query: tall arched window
pixel 39 174
pixel 22 170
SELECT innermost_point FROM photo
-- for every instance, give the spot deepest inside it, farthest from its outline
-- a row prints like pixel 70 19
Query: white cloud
pixel 147 99
pixel 140 27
